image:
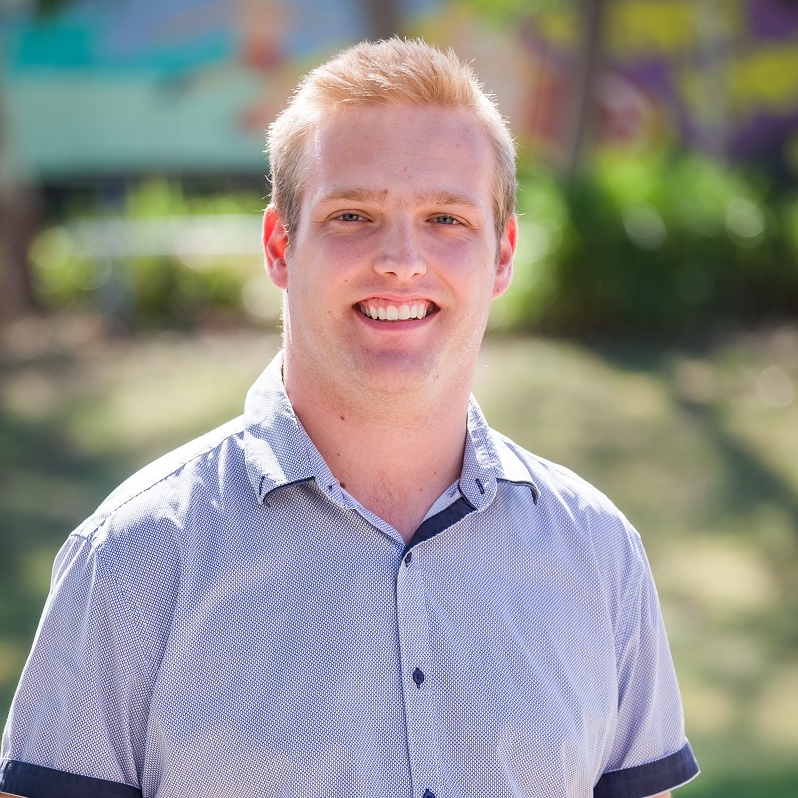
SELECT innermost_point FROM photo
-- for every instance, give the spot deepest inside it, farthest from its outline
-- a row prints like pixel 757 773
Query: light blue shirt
pixel 231 623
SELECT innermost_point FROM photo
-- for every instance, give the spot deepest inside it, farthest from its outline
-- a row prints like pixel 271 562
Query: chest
pixel 334 666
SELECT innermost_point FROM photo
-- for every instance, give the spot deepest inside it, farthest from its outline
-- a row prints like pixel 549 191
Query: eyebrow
pixel 376 197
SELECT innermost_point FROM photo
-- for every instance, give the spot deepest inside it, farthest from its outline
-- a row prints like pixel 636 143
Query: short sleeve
pixel 650 753
pixel 78 719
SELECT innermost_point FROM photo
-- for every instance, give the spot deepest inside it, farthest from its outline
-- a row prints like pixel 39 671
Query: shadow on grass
pixel 747 481
pixel 747 487
pixel 53 484
pixel 772 785
pixel 47 487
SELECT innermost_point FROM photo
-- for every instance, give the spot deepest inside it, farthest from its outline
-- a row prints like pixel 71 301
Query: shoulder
pixel 138 542
pixel 180 463
pixel 558 482
pixel 159 497
pixel 568 505
pixel 585 533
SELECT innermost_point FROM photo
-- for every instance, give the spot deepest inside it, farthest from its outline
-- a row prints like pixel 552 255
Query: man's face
pixel 393 265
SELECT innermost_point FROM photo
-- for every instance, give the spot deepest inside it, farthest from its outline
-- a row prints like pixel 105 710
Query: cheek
pixel 450 247
pixel 467 268
pixel 337 260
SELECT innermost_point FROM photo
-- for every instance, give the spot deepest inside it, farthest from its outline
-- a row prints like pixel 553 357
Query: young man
pixel 360 589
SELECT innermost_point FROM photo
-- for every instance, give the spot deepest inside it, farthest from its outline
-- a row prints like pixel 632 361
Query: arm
pixel 82 686
pixel 650 726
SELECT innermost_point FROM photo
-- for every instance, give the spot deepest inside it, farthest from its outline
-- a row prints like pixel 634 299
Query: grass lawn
pixel 699 448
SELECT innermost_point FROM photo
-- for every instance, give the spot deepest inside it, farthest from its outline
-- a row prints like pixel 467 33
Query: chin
pixel 394 371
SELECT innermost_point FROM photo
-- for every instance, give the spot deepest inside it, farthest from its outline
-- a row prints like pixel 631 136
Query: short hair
pixel 390 72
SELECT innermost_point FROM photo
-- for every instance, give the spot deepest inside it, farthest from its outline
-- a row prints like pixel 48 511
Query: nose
pixel 400 253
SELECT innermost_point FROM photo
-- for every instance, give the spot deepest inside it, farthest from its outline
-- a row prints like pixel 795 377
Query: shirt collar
pixel 276 454
pixel 279 452
pixel 487 461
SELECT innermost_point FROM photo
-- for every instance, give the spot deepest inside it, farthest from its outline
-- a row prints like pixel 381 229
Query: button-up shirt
pixel 231 622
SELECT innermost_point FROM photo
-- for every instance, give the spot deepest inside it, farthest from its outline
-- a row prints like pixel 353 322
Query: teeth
pixel 416 310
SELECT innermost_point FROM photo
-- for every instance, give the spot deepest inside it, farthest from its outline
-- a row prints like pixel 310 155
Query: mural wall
pixel 188 86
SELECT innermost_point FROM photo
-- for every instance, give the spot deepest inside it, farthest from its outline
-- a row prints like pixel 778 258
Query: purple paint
pixel 772 19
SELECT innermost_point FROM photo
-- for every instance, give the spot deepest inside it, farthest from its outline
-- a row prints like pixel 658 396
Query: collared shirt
pixel 230 622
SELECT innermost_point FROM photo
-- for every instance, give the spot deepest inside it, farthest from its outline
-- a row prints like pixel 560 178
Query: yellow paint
pixel 655 27
pixel 651 28
pixel 763 81
pixel 559 27
pixel 766 79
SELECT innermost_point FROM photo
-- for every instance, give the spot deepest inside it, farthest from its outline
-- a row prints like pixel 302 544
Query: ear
pixel 275 242
pixel 504 265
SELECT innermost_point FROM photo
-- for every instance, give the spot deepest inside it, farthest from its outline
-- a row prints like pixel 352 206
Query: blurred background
pixel 649 341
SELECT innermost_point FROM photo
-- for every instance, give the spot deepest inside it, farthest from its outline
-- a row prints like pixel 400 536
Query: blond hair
pixel 389 72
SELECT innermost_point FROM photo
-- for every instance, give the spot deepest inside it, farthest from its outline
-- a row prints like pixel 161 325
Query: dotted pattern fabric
pixel 232 623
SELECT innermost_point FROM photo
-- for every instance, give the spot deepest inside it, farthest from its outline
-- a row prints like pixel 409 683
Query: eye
pixel 350 216
pixel 445 218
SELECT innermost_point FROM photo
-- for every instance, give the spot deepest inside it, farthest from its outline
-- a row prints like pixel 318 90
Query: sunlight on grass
pixel 682 441
pixel 31 394
pixel 169 392
pixel 777 713
pixel 708 709
pixel 726 578
pixel 42 496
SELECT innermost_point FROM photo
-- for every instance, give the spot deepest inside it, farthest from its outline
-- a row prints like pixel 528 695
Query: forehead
pixel 400 151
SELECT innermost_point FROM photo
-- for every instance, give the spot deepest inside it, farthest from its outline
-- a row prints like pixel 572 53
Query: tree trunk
pixel 591 14
pixel 18 221
pixel 715 44
pixel 18 215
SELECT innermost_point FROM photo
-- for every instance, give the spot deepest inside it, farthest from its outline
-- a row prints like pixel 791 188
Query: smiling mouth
pixel 384 310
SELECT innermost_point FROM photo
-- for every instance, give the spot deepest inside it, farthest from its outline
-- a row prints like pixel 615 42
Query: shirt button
pixel 418 678
pixel 408 557
pixel 428 794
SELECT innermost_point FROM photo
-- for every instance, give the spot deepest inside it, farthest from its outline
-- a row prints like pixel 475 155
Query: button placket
pixel 413 627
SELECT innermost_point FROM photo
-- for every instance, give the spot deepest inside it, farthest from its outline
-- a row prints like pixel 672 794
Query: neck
pixel 396 454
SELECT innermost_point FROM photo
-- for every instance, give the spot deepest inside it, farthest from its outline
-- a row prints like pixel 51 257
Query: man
pixel 359 589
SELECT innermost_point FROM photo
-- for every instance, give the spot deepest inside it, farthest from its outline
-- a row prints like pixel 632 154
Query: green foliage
pixel 140 264
pixel 653 246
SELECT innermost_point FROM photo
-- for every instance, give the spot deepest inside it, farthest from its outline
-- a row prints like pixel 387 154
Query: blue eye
pixel 350 217
pixel 445 218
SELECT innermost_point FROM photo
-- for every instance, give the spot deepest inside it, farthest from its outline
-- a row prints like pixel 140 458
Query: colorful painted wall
pixel 120 86
pixel 717 75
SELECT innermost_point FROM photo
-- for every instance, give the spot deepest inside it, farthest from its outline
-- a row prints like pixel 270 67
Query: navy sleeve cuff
pixel 35 781
pixel 649 779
